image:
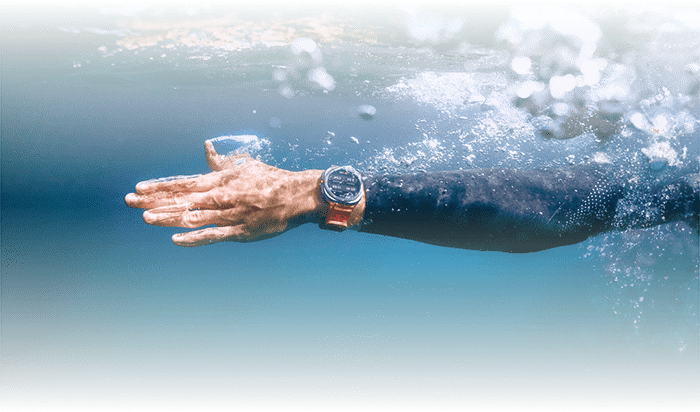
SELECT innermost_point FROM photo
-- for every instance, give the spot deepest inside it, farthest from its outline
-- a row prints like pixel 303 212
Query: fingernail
pixel 130 199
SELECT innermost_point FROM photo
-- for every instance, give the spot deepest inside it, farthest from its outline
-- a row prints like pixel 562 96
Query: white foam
pixel 246 143
pixel 244 138
pixel 661 154
pixel 660 124
pixel 431 143
pixel 449 91
pixel 600 157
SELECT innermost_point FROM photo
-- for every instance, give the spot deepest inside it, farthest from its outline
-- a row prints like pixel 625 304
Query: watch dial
pixel 344 184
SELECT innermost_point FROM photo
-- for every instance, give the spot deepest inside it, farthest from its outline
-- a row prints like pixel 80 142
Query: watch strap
pixel 338 216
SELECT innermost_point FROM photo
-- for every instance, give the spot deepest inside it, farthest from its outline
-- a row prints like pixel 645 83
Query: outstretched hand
pixel 245 198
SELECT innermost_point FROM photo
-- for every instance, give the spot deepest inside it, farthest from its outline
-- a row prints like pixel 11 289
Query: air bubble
pixel 275 122
pixel 366 111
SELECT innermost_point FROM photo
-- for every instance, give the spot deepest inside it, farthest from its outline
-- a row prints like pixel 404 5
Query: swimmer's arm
pixel 521 210
pixel 488 209
pixel 491 209
pixel 506 210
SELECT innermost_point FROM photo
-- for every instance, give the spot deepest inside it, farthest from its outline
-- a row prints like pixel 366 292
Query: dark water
pixel 102 312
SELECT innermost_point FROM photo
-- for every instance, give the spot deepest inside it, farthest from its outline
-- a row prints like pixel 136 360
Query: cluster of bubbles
pixel 306 67
pixel 646 274
pixel 568 72
pixel 641 104
pixel 573 81
pixel 237 144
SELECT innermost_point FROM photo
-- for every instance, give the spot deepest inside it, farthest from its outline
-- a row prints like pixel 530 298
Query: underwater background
pixel 101 312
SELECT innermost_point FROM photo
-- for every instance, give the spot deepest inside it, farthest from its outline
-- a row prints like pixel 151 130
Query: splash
pixel 231 145
pixel 660 155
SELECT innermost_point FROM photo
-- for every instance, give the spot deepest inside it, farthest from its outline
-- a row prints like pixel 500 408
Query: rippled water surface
pixel 102 312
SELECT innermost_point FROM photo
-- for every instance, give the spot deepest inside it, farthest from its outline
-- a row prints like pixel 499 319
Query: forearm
pixel 513 210
pixel 488 209
pixel 507 210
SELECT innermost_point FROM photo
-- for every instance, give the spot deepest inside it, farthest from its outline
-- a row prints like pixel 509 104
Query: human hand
pixel 246 199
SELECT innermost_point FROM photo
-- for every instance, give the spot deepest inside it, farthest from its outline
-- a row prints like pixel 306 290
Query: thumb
pixel 214 160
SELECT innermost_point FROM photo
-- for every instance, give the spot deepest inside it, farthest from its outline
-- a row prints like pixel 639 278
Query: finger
pixel 196 183
pixel 217 162
pixel 211 235
pixel 214 160
pixel 183 216
pixel 162 199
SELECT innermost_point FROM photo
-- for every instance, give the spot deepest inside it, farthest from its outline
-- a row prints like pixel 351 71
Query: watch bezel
pixel 327 192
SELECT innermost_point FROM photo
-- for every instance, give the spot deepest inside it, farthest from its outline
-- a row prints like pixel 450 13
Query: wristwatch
pixel 342 188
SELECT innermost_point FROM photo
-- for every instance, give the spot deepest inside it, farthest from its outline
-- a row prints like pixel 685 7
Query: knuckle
pixel 176 198
pixel 190 219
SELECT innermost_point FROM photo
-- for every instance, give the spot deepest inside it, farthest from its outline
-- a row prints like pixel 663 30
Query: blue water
pixel 102 312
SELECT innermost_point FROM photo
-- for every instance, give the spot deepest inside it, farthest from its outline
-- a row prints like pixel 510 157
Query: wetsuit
pixel 519 210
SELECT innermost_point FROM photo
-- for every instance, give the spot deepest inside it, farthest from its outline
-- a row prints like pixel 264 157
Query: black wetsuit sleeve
pixel 511 210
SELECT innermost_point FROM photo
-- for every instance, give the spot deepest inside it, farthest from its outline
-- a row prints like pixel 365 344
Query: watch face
pixel 343 185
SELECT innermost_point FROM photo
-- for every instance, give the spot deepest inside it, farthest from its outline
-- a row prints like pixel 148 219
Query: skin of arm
pixel 244 198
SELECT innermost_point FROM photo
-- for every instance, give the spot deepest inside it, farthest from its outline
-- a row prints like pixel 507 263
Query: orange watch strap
pixel 338 215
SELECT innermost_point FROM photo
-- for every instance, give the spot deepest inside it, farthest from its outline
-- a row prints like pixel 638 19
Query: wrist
pixel 308 202
pixel 316 206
